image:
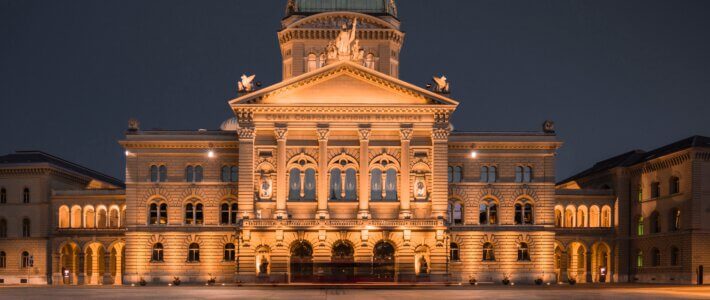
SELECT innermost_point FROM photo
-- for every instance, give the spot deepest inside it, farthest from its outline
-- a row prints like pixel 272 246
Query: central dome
pixel 361 6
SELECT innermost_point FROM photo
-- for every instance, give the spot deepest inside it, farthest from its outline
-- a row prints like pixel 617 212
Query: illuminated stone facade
pixel 339 173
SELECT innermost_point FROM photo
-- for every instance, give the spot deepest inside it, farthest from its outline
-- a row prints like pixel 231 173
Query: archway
pixel 601 262
pixel 343 262
pixel 383 262
pixel 301 262
pixel 69 263
pixel 577 261
pixel 95 263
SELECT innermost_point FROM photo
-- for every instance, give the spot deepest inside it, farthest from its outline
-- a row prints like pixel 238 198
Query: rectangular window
pixel 655 190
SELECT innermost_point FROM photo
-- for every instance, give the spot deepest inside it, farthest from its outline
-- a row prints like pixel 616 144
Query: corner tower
pixel 311 28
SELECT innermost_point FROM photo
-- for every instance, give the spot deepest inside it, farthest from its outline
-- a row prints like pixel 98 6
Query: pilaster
pixel 323 133
pixel 405 190
pixel 364 197
pixel 281 133
pixel 247 134
pixel 439 197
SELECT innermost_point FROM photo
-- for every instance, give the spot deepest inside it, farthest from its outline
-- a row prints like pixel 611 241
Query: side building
pixel 660 203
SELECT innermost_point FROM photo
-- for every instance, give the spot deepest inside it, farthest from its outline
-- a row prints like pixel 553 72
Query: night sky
pixel 614 75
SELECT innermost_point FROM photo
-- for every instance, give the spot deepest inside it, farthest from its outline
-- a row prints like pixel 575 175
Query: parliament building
pixel 343 173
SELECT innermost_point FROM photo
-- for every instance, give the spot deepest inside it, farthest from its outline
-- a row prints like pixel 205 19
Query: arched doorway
pixel 343 262
pixel 69 263
pixel 301 262
pixel 383 268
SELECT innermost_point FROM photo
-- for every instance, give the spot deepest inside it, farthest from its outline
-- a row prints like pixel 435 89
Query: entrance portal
pixel 383 262
pixel 343 262
pixel 301 262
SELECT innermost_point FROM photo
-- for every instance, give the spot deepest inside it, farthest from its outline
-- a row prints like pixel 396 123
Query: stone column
pixel 118 280
pixel 107 268
pixel 281 184
pixel 322 196
pixel 440 189
pixel 95 265
pixel 247 135
pixel 364 197
pixel 564 267
pixel 405 192
pixel 589 270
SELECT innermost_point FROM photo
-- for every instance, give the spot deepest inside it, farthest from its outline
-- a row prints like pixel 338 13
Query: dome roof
pixel 230 124
pixel 361 6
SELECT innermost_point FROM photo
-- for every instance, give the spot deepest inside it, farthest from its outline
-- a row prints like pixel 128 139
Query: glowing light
pixel 128 153
pixel 210 154
pixel 474 154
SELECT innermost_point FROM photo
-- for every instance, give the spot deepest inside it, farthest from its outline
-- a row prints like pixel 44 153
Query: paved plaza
pixel 447 293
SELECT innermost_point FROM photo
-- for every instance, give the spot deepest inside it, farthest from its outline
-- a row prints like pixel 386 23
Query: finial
pixel 548 127
pixel 246 84
pixel 133 125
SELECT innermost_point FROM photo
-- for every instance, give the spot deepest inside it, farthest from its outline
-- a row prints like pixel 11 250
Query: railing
pixel 342 223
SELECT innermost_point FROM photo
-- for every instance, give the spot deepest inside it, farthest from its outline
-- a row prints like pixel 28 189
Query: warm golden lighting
pixel 210 154
pixel 474 154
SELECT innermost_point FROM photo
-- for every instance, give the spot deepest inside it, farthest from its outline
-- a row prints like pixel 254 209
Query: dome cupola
pixel 374 7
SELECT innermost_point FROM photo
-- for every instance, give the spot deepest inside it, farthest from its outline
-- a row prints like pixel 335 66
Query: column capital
pixel 246 133
pixel 440 134
pixel 323 133
pixel 405 133
pixel 281 132
pixel 364 133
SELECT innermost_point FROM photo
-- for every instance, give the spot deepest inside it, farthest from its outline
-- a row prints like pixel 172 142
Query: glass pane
pixel 309 187
pixel 294 185
pixel 350 184
pixel 391 185
pixel 376 185
pixel 335 185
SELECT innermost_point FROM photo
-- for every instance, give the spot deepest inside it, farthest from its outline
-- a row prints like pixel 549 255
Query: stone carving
pixel 346 46
pixel 281 133
pixel 442 85
pixel 548 127
pixel 323 134
pixel 246 84
pixel 406 134
pixel 133 125
pixel 420 191
pixel 265 187
pixel 364 133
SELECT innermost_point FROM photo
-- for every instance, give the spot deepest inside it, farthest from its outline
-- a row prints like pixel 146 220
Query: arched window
pixel 581 216
pixel 194 214
pixel 26 196
pixel 656 257
pixel 163 173
pixel 523 252
pixel 153 173
pixel 157 253
pixel 524 213
pixel 76 217
pixel 194 173
pixel 64 217
pixel 455 212
pixel 391 185
pixel 113 217
pixel 655 222
pixel 3 196
pixel 350 185
pixel 376 185
pixel 639 258
pixel 336 185
pixel 228 213
pixel 322 60
pixel 606 216
pixel 233 174
pixel 489 174
pixel 302 185
pixel 558 218
pixel 229 252
pixel 594 216
pixel 518 174
pixel 527 174
pixel 675 219
pixel 3 260
pixel 458 174
pixel 26 260
pixel 488 252
pixel 454 252
pixel 26 229
pixel 3 228
pixel 655 190
pixel 101 217
pixel 89 217
pixel 675 256
pixel 225 174
pixel 312 62
pixel 639 225
pixel 158 214
pixel 488 212
pixel 450 173
pixel 193 253
pixel 674 185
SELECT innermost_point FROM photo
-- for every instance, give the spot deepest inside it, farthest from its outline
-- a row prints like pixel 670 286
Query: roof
pixel 387 7
pixel 32 157
pixel 639 156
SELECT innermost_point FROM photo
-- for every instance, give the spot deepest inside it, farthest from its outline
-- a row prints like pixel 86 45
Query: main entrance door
pixel 343 262
pixel 383 262
pixel 301 265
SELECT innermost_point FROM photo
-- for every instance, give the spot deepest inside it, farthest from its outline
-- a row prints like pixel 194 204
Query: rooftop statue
pixel 346 46
pixel 346 38
pixel 246 85
pixel 442 84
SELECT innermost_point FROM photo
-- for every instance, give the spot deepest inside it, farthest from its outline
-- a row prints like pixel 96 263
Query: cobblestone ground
pixel 448 293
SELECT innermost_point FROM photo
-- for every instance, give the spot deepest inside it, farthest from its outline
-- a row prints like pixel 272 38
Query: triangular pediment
pixel 343 84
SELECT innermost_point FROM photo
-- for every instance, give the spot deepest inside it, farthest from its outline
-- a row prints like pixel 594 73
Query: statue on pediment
pixel 346 38
pixel 246 84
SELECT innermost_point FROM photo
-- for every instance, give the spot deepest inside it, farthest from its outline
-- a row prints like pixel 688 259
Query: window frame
pixel 157 253
pixel 488 252
pixel 454 252
pixel 229 254
pixel 193 253
pixel 26 196
pixel 3 195
pixel 26 227
pixel 524 252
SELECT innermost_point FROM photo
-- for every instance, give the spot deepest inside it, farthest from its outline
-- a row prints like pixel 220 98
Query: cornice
pixel 157 144
pixel 42 171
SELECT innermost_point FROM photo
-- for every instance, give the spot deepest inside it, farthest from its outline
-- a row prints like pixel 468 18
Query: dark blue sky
pixel 613 75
